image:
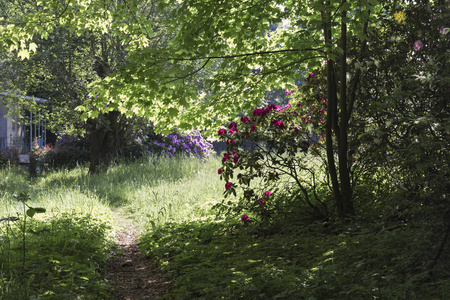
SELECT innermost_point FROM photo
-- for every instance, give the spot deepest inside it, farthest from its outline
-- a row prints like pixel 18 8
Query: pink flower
pixel 226 156
pixel 230 141
pixel 228 185
pixel 233 130
pixel 418 45
pixel 267 194
pixel 261 202
pixel 219 171
pixel 235 158
pixel 287 106
pixel 287 92
pixel 222 131
pixel 245 218
pixel 232 125
pixel 253 128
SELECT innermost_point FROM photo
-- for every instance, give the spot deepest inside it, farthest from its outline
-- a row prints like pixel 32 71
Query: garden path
pixel 135 276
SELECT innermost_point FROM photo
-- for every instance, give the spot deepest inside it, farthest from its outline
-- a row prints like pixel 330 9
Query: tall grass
pixel 78 225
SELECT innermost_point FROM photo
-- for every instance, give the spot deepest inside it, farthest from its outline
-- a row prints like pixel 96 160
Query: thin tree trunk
pixel 331 115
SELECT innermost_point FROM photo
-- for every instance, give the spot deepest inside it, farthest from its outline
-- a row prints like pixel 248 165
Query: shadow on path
pixel 134 275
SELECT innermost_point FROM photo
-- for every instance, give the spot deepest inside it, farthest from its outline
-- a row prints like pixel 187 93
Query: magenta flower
pixel 267 194
pixel 232 125
pixel 261 202
pixel 235 158
pixel 230 141
pixel 219 171
pixel 245 218
pixel 253 128
pixel 233 130
pixel 418 45
pixel 287 92
pixel 245 119
pixel 228 185
pixel 226 156
pixel 222 131
pixel 271 107
pixel 258 112
pixel 280 124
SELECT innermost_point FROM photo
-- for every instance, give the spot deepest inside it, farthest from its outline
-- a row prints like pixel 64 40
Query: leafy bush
pixel 285 153
pixel 68 152
pixel 9 156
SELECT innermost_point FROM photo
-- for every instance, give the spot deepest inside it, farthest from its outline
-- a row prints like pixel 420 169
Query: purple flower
pixel 267 194
pixel 228 185
pixel 287 92
pixel 219 171
pixel 235 158
pixel 233 130
pixel 232 125
pixel 418 45
pixel 226 156
pixel 245 219
pixel 253 128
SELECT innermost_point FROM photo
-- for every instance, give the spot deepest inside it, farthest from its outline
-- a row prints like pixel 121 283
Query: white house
pixel 14 134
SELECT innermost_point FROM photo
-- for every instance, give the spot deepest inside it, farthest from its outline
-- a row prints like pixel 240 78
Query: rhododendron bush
pixel 278 169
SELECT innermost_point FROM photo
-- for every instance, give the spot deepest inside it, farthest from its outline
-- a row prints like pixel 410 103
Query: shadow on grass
pixel 210 260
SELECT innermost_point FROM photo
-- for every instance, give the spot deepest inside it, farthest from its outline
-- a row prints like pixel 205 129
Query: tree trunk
pixel 337 125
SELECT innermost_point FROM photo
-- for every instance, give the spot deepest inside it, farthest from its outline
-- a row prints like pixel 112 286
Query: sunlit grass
pixel 150 191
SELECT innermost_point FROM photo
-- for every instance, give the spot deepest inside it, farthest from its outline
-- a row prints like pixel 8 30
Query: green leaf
pixel 40 210
pixel 32 47
pixel 31 212
pixel 93 114
pixel 173 112
pixel 23 53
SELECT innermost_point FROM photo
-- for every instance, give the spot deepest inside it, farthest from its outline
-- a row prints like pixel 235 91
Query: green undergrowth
pixel 67 245
pixel 292 259
pixel 395 249
pixel 62 258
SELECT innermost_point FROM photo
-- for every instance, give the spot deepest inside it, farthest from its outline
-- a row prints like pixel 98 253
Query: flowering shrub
pixel 177 143
pixel 285 142
pixel 9 155
pixel 68 151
